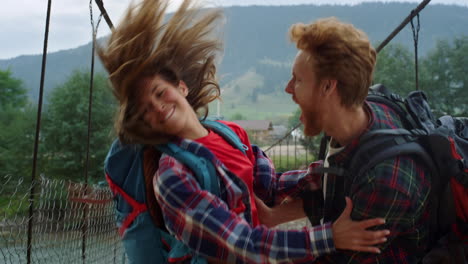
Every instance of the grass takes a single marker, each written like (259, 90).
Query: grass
(11, 206)
(266, 107)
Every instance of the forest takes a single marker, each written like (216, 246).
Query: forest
(64, 125)
(253, 76)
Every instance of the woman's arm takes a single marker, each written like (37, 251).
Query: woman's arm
(273, 188)
(287, 211)
(347, 234)
(204, 222)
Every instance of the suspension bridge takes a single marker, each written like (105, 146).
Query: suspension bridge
(58, 221)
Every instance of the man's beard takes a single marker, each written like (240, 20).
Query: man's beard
(311, 124)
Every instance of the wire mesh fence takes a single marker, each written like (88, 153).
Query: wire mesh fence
(75, 222)
(292, 151)
(71, 223)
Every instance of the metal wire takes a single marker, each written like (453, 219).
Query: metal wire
(58, 221)
(402, 24)
(415, 40)
(38, 129)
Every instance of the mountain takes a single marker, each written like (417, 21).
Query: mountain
(258, 55)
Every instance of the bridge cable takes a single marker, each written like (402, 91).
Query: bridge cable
(36, 140)
(415, 40)
(413, 13)
(409, 18)
(100, 4)
(94, 30)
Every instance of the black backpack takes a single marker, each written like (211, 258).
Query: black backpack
(442, 145)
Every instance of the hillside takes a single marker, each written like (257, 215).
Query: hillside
(257, 57)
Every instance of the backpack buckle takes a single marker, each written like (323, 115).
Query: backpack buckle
(396, 97)
(418, 132)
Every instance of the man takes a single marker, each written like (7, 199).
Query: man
(330, 79)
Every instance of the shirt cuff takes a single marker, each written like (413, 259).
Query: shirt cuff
(321, 239)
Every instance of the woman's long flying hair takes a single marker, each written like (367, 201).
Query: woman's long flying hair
(144, 45)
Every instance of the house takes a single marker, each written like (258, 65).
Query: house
(278, 132)
(259, 130)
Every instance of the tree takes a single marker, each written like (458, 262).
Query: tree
(294, 119)
(16, 142)
(65, 128)
(446, 79)
(12, 92)
(459, 60)
(17, 123)
(254, 96)
(238, 116)
(395, 69)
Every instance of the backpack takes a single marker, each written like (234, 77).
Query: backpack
(442, 145)
(139, 217)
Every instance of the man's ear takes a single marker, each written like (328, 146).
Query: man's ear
(329, 87)
(183, 88)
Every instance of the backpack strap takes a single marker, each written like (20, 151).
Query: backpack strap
(138, 208)
(226, 132)
(203, 169)
(379, 145)
(150, 165)
(332, 170)
(396, 103)
(382, 144)
(441, 138)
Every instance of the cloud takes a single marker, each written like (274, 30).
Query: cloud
(22, 21)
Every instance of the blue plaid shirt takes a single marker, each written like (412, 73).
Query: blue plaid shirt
(207, 224)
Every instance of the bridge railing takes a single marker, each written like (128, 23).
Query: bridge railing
(292, 151)
(73, 223)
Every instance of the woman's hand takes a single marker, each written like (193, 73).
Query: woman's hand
(285, 212)
(352, 235)
(264, 213)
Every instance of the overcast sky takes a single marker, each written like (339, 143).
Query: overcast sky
(22, 21)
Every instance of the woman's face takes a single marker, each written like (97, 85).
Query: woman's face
(163, 106)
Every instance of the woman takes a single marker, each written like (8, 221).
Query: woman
(163, 75)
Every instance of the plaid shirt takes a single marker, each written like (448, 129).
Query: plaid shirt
(209, 225)
(396, 189)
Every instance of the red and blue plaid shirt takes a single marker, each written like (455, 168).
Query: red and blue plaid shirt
(209, 225)
(397, 190)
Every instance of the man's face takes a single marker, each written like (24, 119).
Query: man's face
(305, 91)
